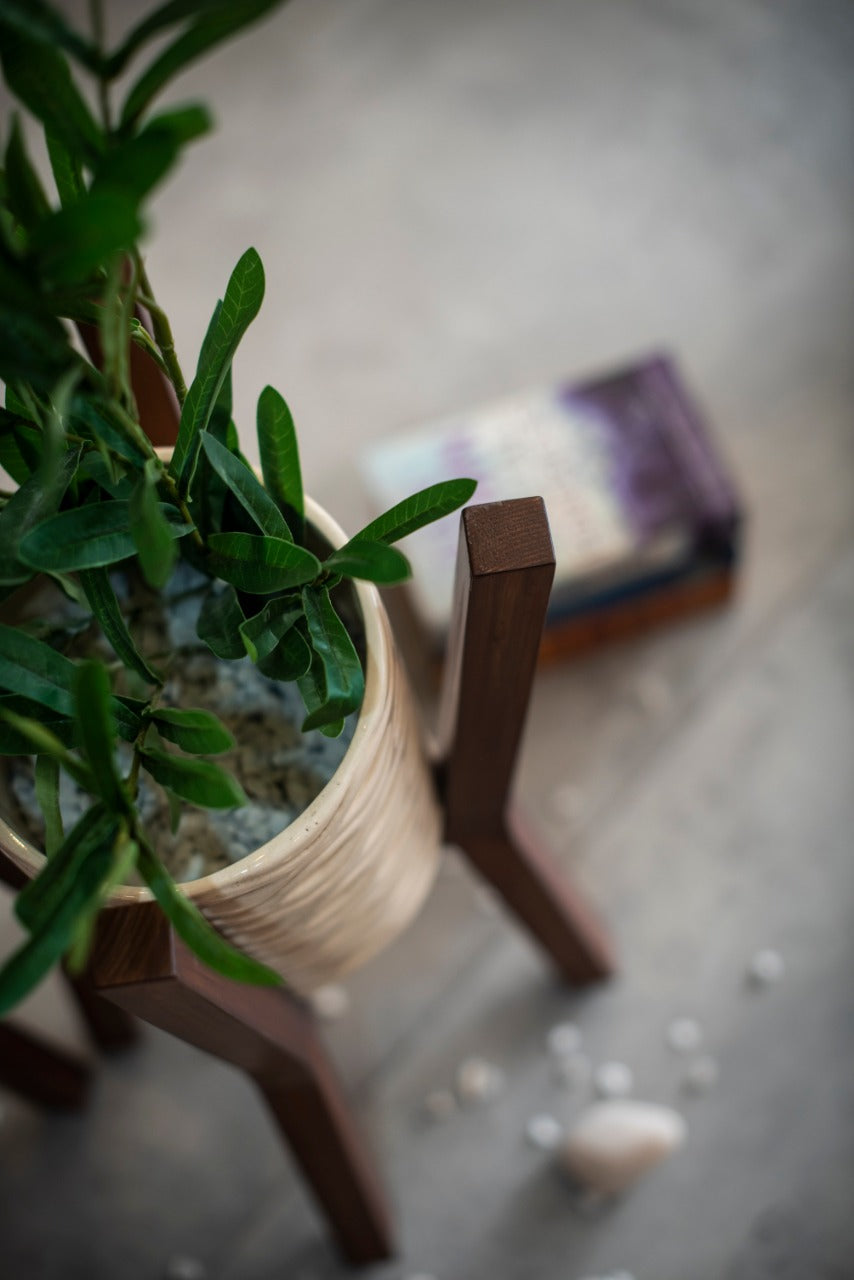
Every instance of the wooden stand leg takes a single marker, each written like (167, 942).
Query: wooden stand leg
(41, 1072)
(140, 964)
(505, 567)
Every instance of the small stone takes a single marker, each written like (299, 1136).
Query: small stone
(613, 1080)
(563, 1039)
(573, 1072)
(183, 1267)
(567, 802)
(330, 1002)
(478, 1080)
(684, 1035)
(613, 1143)
(766, 968)
(440, 1104)
(544, 1132)
(701, 1076)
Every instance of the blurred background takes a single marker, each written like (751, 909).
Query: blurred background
(454, 202)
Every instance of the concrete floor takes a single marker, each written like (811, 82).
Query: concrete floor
(454, 201)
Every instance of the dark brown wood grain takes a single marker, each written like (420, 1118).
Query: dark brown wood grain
(268, 1033)
(40, 1070)
(505, 567)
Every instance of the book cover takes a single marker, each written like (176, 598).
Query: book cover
(638, 498)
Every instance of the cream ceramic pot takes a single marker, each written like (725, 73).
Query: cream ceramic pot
(351, 871)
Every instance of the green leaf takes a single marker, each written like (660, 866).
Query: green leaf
(259, 564)
(262, 633)
(246, 488)
(150, 531)
(343, 681)
(280, 465)
(86, 537)
(243, 297)
(34, 670)
(38, 75)
(193, 929)
(136, 165)
(212, 27)
(193, 730)
(40, 899)
(219, 622)
(31, 962)
(20, 446)
(34, 501)
(47, 795)
(66, 168)
(77, 239)
(167, 15)
(33, 348)
(414, 512)
(290, 660)
(42, 23)
(104, 605)
(26, 197)
(374, 561)
(200, 781)
(14, 741)
(97, 729)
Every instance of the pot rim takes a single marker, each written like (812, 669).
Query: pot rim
(281, 846)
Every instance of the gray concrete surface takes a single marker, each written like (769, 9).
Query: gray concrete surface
(455, 201)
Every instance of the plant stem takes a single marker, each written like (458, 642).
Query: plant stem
(162, 332)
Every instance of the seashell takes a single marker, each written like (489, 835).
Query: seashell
(612, 1144)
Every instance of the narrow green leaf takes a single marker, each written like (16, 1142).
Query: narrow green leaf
(77, 239)
(38, 75)
(104, 605)
(34, 670)
(20, 446)
(243, 297)
(193, 730)
(374, 561)
(194, 930)
(213, 26)
(290, 660)
(151, 533)
(262, 633)
(66, 168)
(343, 680)
(25, 969)
(47, 794)
(42, 23)
(25, 194)
(49, 738)
(200, 781)
(279, 451)
(249, 492)
(35, 500)
(219, 622)
(414, 512)
(86, 537)
(97, 729)
(136, 165)
(41, 897)
(15, 742)
(167, 15)
(258, 564)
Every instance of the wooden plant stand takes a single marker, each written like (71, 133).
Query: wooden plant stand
(504, 572)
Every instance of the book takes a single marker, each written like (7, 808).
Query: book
(644, 515)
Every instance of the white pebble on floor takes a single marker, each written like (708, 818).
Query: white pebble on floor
(478, 1080)
(563, 1039)
(613, 1080)
(766, 968)
(684, 1035)
(330, 1002)
(544, 1132)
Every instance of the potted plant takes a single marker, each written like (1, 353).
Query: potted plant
(122, 568)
